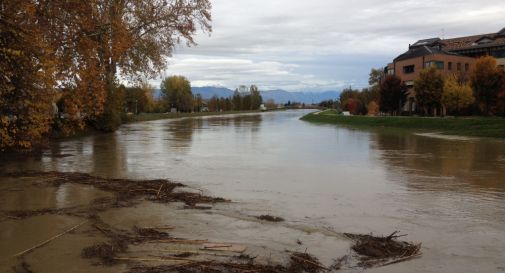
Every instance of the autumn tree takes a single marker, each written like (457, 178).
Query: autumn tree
(429, 87)
(197, 103)
(176, 92)
(26, 77)
(393, 94)
(99, 40)
(213, 104)
(457, 95)
(373, 109)
(78, 49)
(487, 82)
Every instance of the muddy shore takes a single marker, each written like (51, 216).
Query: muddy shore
(119, 225)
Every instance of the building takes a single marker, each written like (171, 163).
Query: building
(450, 56)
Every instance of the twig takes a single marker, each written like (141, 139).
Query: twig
(158, 194)
(392, 235)
(310, 262)
(50, 239)
(417, 255)
(181, 241)
(155, 259)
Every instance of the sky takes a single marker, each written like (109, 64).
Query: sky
(320, 45)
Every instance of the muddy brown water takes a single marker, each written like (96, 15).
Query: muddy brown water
(324, 180)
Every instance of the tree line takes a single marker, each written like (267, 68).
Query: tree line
(482, 92)
(177, 96)
(60, 61)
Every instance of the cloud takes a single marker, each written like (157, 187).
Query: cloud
(321, 44)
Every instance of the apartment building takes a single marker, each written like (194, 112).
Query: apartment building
(450, 56)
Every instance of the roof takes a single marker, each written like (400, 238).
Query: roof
(420, 51)
(426, 42)
(472, 42)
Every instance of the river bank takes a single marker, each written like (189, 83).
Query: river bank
(462, 126)
(161, 116)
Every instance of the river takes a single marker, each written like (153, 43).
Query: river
(446, 193)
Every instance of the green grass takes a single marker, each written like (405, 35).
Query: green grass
(464, 126)
(158, 116)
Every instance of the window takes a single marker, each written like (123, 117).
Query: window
(436, 64)
(467, 67)
(408, 69)
(391, 71)
(459, 67)
(498, 54)
(449, 66)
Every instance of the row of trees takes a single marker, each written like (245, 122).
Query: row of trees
(177, 95)
(483, 92)
(362, 102)
(240, 101)
(71, 53)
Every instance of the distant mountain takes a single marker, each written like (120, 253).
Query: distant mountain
(208, 92)
(282, 96)
(279, 96)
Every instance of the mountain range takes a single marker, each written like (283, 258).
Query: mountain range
(279, 96)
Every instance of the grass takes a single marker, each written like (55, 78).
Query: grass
(158, 116)
(463, 126)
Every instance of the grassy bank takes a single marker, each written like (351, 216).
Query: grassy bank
(464, 126)
(158, 116)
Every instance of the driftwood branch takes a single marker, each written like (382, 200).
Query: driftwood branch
(50, 239)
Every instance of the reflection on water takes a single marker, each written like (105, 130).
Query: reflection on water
(446, 193)
(440, 164)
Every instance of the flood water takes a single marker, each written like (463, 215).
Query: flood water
(448, 194)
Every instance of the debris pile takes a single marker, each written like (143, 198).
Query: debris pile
(299, 263)
(125, 190)
(380, 251)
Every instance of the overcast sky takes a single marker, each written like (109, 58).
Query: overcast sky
(321, 44)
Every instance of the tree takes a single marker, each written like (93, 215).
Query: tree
(136, 100)
(112, 116)
(501, 94)
(256, 98)
(393, 94)
(375, 77)
(26, 77)
(429, 87)
(213, 104)
(79, 48)
(270, 104)
(176, 91)
(246, 102)
(373, 109)
(197, 103)
(237, 101)
(354, 106)
(456, 95)
(487, 82)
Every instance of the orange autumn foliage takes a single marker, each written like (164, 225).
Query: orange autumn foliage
(73, 52)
